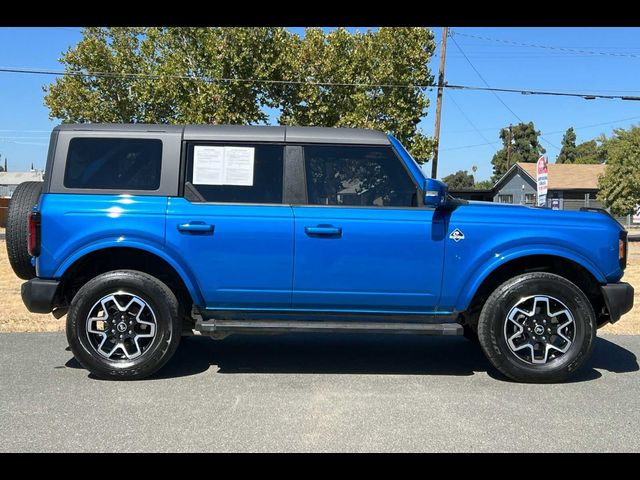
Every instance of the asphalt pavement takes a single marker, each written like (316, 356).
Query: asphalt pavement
(315, 393)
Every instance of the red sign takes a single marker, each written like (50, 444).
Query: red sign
(542, 165)
(542, 181)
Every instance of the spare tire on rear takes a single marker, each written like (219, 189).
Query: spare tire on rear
(24, 198)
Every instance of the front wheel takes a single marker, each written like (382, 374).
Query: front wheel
(537, 327)
(123, 325)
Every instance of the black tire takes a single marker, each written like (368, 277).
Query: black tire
(161, 302)
(492, 331)
(24, 198)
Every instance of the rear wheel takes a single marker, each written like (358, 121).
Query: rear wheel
(24, 198)
(537, 327)
(123, 325)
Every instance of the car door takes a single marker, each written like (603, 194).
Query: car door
(362, 243)
(231, 228)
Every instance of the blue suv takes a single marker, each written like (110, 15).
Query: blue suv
(143, 233)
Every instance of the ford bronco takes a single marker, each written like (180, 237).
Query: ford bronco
(141, 234)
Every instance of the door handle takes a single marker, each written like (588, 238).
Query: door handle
(196, 227)
(324, 230)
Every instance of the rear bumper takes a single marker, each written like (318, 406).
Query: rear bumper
(618, 297)
(38, 294)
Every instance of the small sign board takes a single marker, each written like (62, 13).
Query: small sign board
(555, 204)
(635, 218)
(542, 180)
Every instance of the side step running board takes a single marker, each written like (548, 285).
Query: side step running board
(283, 326)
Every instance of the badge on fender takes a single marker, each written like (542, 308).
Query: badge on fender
(456, 235)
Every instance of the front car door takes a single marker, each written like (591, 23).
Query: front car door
(231, 226)
(363, 241)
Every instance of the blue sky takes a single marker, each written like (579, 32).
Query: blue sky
(24, 122)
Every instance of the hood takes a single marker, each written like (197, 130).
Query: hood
(528, 214)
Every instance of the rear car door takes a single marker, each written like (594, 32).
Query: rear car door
(362, 242)
(230, 226)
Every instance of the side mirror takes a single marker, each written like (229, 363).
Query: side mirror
(435, 193)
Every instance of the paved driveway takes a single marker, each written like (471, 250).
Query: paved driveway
(315, 393)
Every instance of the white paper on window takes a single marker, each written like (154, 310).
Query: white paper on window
(208, 165)
(238, 165)
(223, 165)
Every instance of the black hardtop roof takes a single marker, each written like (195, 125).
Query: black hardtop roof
(259, 133)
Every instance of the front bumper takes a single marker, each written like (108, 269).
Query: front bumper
(38, 294)
(618, 297)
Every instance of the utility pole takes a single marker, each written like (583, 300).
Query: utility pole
(509, 148)
(436, 132)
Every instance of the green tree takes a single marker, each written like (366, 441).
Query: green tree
(160, 61)
(588, 152)
(460, 179)
(620, 184)
(568, 150)
(525, 147)
(169, 55)
(351, 62)
(483, 185)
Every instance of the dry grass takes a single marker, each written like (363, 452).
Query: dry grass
(629, 324)
(14, 317)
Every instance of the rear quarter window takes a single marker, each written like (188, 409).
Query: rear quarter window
(113, 164)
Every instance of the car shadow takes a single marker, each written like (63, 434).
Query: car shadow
(362, 354)
(359, 354)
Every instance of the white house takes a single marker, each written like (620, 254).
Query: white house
(10, 180)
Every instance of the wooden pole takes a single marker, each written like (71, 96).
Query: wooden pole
(436, 132)
(509, 149)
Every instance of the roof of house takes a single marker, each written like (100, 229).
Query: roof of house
(15, 178)
(568, 176)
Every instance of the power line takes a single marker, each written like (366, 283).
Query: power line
(494, 93)
(547, 133)
(206, 79)
(23, 137)
(586, 96)
(611, 122)
(23, 143)
(26, 131)
(461, 147)
(548, 47)
(450, 95)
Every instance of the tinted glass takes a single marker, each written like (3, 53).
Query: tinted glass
(113, 164)
(357, 176)
(265, 184)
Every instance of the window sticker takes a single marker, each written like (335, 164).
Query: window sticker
(238, 165)
(223, 165)
(208, 165)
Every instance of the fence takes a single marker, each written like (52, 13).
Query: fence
(627, 222)
(4, 205)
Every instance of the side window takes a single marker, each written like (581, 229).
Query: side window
(113, 164)
(357, 176)
(247, 173)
